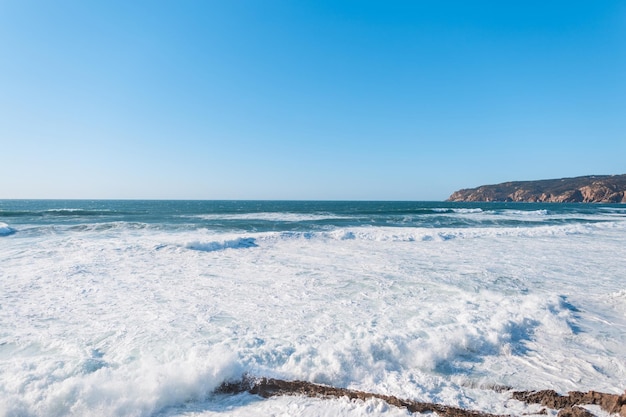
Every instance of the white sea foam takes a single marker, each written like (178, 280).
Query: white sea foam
(466, 210)
(269, 216)
(414, 234)
(457, 210)
(64, 210)
(138, 387)
(527, 212)
(138, 322)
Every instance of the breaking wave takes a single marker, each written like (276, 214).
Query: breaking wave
(140, 387)
(426, 234)
(270, 216)
(5, 230)
(391, 235)
(457, 210)
(239, 243)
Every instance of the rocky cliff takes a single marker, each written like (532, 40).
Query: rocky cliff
(587, 189)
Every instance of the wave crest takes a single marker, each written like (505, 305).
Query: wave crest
(239, 243)
(141, 387)
(5, 230)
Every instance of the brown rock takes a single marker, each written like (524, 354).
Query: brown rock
(574, 412)
(588, 189)
(270, 387)
(548, 398)
(610, 403)
(567, 404)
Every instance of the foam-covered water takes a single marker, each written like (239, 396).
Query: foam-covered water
(143, 308)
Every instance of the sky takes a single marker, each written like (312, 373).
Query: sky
(318, 100)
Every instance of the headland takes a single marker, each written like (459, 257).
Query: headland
(585, 189)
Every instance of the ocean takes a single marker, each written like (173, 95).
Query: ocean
(144, 308)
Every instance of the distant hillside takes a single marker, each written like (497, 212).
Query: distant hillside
(587, 189)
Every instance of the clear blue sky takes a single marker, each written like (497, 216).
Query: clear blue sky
(265, 99)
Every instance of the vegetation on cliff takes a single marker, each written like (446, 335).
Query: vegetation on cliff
(586, 189)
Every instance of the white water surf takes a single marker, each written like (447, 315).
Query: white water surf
(134, 321)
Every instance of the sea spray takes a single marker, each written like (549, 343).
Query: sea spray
(139, 386)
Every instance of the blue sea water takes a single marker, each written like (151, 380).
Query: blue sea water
(143, 308)
(265, 216)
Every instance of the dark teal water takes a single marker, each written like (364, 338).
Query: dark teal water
(261, 216)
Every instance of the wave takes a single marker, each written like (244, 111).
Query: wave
(411, 214)
(457, 210)
(229, 238)
(102, 227)
(141, 387)
(83, 212)
(392, 234)
(239, 243)
(613, 209)
(5, 230)
(246, 220)
(527, 212)
(270, 216)
(64, 212)
(541, 212)
(15, 213)
(60, 228)
(386, 234)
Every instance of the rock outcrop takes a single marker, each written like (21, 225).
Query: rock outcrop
(587, 189)
(568, 405)
(270, 387)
